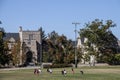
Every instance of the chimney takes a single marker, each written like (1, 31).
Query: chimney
(20, 28)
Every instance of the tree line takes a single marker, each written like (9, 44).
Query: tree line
(57, 49)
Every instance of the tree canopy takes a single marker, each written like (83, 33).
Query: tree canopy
(4, 57)
(100, 35)
(60, 50)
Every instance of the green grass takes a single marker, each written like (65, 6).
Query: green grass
(90, 73)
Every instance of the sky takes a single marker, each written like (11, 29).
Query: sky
(57, 15)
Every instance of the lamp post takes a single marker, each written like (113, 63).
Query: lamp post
(75, 23)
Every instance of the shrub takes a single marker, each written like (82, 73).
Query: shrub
(57, 66)
(115, 60)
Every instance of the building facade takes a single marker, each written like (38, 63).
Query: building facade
(30, 45)
(81, 43)
(86, 59)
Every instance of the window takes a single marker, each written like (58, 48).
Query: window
(30, 36)
(29, 42)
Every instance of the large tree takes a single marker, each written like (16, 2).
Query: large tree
(60, 49)
(100, 36)
(52, 48)
(4, 56)
(43, 46)
(15, 53)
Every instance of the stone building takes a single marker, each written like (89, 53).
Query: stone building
(31, 42)
(30, 47)
(118, 48)
(81, 43)
(11, 38)
(86, 59)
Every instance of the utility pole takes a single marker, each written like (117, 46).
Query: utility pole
(75, 23)
(41, 51)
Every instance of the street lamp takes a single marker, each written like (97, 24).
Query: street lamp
(75, 23)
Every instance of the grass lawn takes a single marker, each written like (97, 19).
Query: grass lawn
(90, 73)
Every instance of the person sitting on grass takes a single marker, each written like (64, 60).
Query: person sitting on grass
(37, 71)
(64, 72)
(40, 71)
(72, 70)
(49, 70)
(82, 72)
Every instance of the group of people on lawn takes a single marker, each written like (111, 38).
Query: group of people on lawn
(38, 71)
(63, 72)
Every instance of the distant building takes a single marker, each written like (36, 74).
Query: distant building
(118, 49)
(119, 43)
(86, 59)
(12, 38)
(81, 43)
(31, 47)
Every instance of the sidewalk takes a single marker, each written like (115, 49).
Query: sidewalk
(97, 64)
(18, 68)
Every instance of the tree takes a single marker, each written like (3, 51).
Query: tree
(24, 50)
(51, 42)
(101, 40)
(15, 53)
(43, 44)
(60, 49)
(4, 57)
(0, 22)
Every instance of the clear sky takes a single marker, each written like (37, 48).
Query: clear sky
(57, 15)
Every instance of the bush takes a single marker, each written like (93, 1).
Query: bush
(115, 60)
(57, 66)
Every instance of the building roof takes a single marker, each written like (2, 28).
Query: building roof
(11, 35)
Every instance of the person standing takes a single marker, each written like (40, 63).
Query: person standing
(72, 70)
